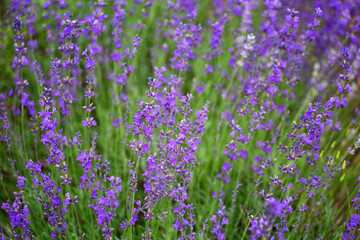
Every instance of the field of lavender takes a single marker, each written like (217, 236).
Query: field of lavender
(180, 119)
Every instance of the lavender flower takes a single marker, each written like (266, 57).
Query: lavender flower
(19, 217)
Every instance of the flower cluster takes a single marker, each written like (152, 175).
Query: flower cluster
(234, 119)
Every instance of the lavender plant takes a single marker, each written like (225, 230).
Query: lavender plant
(179, 119)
